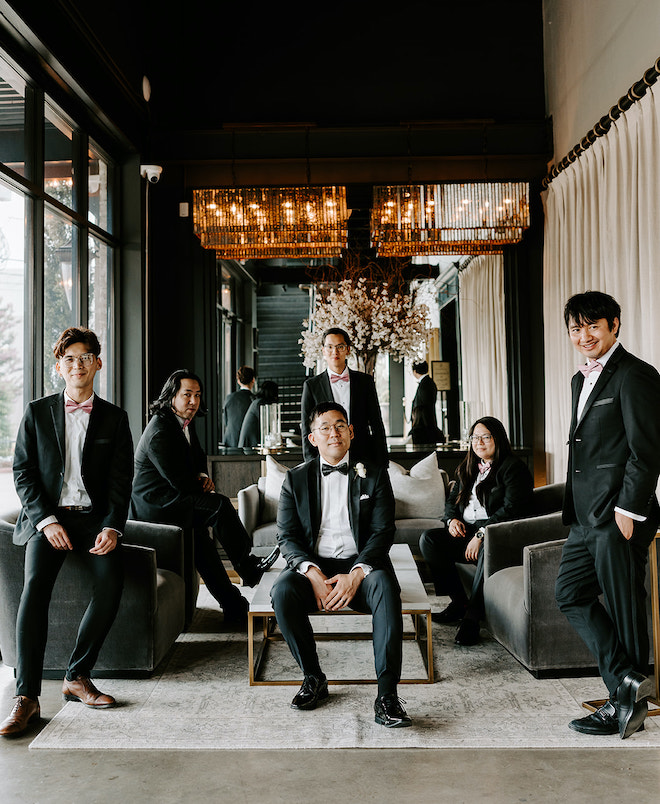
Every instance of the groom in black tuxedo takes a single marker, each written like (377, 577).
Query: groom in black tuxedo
(335, 527)
(73, 466)
(610, 504)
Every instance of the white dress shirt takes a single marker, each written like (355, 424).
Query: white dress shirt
(73, 491)
(341, 390)
(474, 510)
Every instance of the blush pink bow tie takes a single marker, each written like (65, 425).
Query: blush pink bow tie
(595, 366)
(483, 467)
(84, 406)
(337, 377)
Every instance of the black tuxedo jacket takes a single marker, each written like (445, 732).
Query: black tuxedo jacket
(236, 406)
(39, 463)
(167, 470)
(369, 442)
(614, 449)
(424, 428)
(371, 514)
(509, 498)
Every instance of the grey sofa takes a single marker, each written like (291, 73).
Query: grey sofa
(151, 614)
(521, 564)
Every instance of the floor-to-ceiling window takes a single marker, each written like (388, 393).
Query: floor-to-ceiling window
(58, 249)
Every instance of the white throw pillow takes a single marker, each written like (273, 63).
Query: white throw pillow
(275, 474)
(420, 493)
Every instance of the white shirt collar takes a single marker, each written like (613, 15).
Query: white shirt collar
(344, 460)
(84, 402)
(603, 360)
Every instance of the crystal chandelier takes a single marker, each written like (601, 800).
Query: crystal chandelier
(448, 218)
(262, 222)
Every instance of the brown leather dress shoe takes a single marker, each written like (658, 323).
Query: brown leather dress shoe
(25, 710)
(81, 689)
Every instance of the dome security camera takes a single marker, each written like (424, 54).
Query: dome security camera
(151, 173)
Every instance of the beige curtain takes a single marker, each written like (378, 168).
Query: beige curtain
(483, 344)
(602, 232)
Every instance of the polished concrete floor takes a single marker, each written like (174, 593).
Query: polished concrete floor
(609, 775)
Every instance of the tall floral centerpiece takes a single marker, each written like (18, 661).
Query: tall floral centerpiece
(377, 317)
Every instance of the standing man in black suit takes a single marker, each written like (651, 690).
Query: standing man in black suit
(355, 391)
(335, 527)
(610, 504)
(72, 470)
(424, 429)
(236, 406)
(171, 486)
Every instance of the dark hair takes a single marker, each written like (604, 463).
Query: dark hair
(77, 335)
(421, 368)
(337, 331)
(325, 407)
(267, 393)
(171, 389)
(588, 307)
(245, 375)
(468, 469)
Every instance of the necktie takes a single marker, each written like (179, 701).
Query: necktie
(593, 366)
(337, 377)
(483, 467)
(186, 423)
(84, 406)
(327, 469)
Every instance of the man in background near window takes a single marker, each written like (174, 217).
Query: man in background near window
(236, 406)
(172, 487)
(355, 391)
(72, 469)
(610, 504)
(424, 424)
(335, 526)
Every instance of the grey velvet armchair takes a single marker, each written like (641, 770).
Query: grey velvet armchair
(151, 614)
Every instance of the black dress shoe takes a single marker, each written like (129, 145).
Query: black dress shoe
(631, 695)
(390, 713)
(313, 690)
(266, 563)
(603, 721)
(468, 633)
(454, 613)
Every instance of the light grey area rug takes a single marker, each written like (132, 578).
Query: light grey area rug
(482, 698)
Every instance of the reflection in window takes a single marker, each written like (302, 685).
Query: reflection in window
(100, 271)
(12, 280)
(12, 119)
(58, 151)
(97, 185)
(59, 290)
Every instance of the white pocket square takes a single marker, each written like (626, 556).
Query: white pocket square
(364, 497)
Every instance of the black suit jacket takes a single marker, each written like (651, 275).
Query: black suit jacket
(509, 498)
(424, 428)
(167, 470)
(236, 406)
(251, 428)
(614, 450)
(371, 514)
(369, 442)
(39, 463)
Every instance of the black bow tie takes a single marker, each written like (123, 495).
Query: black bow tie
(327, 469)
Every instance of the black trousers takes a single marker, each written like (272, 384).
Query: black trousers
(442, 552)
(293, 599)
(42, 566)
(217, 512)
(599, 560)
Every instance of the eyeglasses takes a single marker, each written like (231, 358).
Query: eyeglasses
(485, 439)
(339, 347)
(324, 429)
(84, 360)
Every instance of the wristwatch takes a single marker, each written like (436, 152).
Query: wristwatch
(480, 533)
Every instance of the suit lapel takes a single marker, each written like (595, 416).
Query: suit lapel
(94, 421)
(57, 416)
(325, 387)
(609, 370)
(354, 491)
(314, 497)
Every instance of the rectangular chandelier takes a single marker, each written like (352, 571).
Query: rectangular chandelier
(264, 223)
(478, 218)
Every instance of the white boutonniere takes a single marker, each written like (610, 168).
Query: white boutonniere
(360, 470)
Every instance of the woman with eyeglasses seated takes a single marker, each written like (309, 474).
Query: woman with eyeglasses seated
(492, 485)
